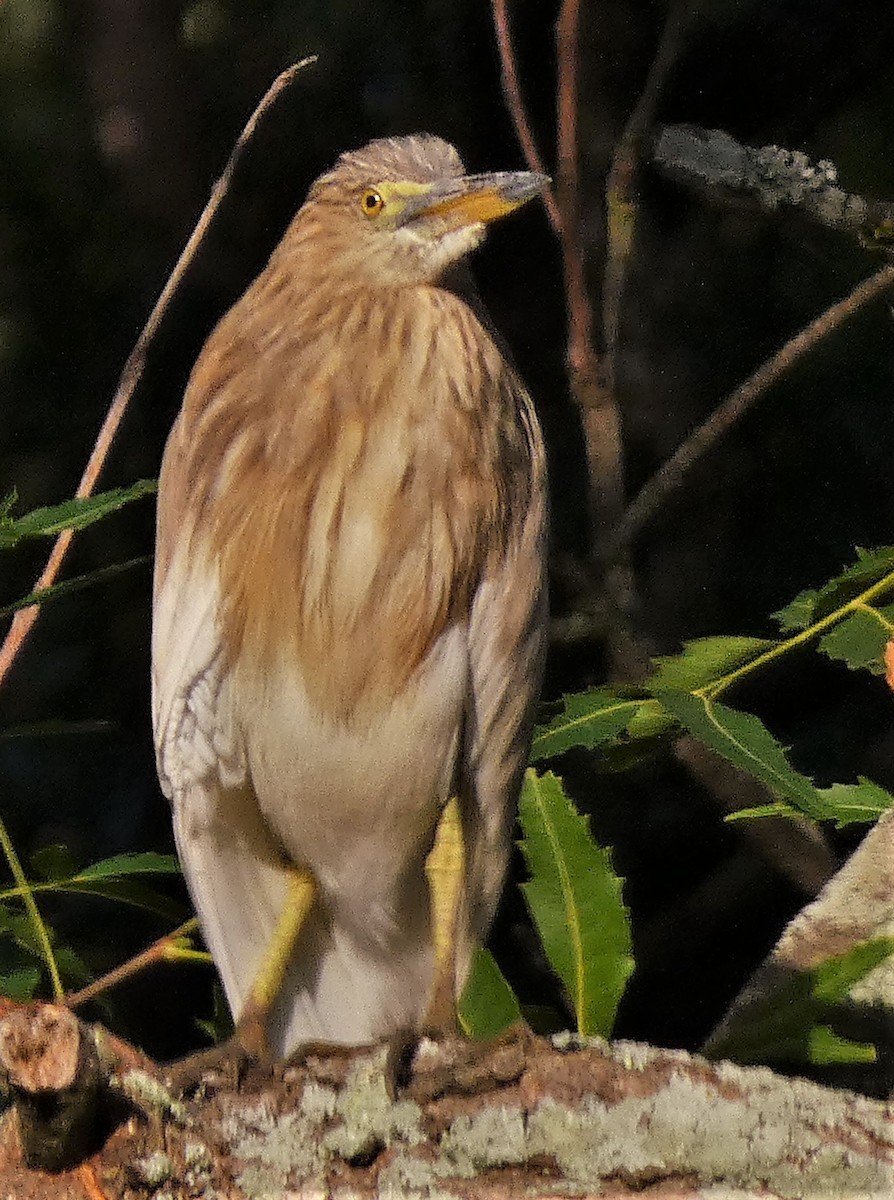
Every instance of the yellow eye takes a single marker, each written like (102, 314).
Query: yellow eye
(371, 202)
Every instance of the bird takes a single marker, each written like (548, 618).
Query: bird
(350, 605)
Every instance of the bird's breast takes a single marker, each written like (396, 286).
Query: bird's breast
(355, 503)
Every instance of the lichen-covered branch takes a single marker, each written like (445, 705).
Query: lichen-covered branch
(772, 177)
(520, 1116)
(855, 907)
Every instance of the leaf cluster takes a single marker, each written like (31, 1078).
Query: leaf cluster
(575, 898)
(850, 620)
(32, 957)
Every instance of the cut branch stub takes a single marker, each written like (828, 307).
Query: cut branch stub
(50, 1063)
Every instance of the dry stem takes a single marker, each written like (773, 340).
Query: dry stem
(158, 952)
(25, 618)
(515, 104)
(621, 198)
(668, 477)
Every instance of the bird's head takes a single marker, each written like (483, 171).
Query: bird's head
(403, 211)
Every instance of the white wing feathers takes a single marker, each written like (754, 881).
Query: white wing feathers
(192, 711)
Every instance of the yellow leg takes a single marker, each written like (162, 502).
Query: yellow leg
(445, 869)
(251, 1028)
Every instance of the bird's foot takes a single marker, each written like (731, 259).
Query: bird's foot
(223, 1067)
(453, 1062)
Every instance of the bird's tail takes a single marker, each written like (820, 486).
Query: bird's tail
(341, 987)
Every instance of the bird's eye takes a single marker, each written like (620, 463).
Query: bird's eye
(371, 202)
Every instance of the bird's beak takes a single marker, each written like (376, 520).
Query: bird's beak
(473, 199)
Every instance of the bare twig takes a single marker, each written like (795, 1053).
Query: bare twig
(163, 950)
(516, 106)
(581, 356)
(133, 369)
(621, 211)
(598, 411)
(620, 193)
(667, 478)
(563, 210)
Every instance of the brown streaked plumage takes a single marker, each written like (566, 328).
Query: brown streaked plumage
(349, 596)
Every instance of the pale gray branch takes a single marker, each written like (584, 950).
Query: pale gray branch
(772, 177)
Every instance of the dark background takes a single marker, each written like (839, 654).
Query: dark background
(115, 118)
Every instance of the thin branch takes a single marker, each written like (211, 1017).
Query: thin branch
(621, 212)
(41, 934)
(581, 356)
(133, 369)
(598, 413)
(596, 403)
(620, 193)
(163, 950)
(516, 105)
(667, 479)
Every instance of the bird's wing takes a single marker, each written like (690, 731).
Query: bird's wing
(507, 641)
(192, 717)
(232, 864)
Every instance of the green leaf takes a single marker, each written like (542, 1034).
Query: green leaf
(20, 985)
(648, 724)
(575, 900)
(71, 514)
(111, 879)
(747, 743)
(859, 640)
(52, 862)
(852, 803)
(799, 613)
(827, 1048)
(834, 978)
(586, 719)
(74, 971)
(814, 604)
(843, 803)
(779, 809)
(795, 1023)
(703, 660)
(20, 927)
(77, 584)
(131, 864)
(488, 1004)
(123, 891)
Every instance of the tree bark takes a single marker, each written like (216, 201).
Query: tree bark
(519, 1116)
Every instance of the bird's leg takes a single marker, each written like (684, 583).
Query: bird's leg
(251, 1027)
(445, 869)
(249, 1041)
